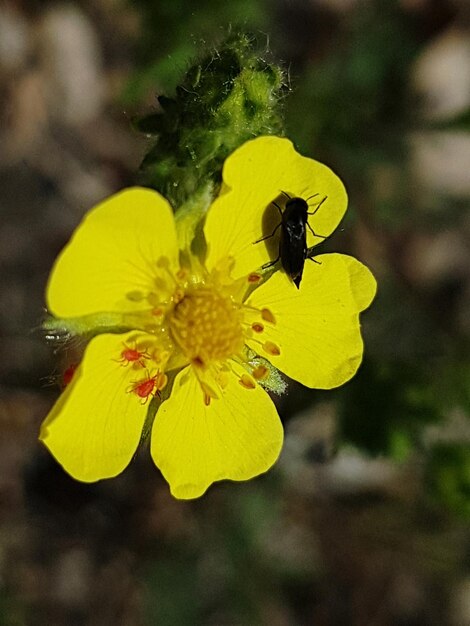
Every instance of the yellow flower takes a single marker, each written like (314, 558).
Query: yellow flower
(198, 325)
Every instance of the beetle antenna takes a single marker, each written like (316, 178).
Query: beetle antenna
(310, 197)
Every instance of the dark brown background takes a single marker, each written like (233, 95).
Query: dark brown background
(362, 521)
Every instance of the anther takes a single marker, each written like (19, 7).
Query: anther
(163, 262)
(135, 295)
(161, 381)
(271, 348)
(178, 295)
(268, 316)
(160, 283)
(257, 327)
(222, 379)
(260, 372)
(182, 274)
(160, 356)
(254, 277)
(207, 389)
(247, 382)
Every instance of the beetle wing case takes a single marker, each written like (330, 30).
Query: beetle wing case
(293, 251)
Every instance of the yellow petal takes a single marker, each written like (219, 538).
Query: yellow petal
(236, 437)
(255, 175)
(109, 264)
(95, 427)
(316, 330)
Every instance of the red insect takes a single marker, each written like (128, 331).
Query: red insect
(69, 374)
(149, 386)
(133, 355)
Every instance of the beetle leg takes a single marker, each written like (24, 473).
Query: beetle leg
(310, 258)
(314, 233)
(278, 208)
(268, 236)
(271, 263)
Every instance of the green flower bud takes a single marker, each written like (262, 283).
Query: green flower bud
(226, 98)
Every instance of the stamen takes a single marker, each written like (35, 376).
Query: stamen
(268, 316)
(135, 296)
(260, 372)
(163, 262)
(207, 389)
(161, 381)
(247, 382)
(178, 295)
(182, 274)
(160, 356)
(161, 284)
(271, 348)
(222, 378)
(254, 277)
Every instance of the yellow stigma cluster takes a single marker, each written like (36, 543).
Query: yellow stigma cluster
(206, 325)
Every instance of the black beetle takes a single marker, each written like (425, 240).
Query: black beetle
(293, 240)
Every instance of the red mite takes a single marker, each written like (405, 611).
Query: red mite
(132, 355)
(68, 374)
(144, 388)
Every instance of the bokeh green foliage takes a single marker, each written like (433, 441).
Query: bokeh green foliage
(235, 568)
(174, 32)
(448, 476)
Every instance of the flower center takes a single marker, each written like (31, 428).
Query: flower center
(206, 325)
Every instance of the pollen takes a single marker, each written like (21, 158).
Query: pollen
(206, 325)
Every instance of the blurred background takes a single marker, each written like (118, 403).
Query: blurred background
(364, 520)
